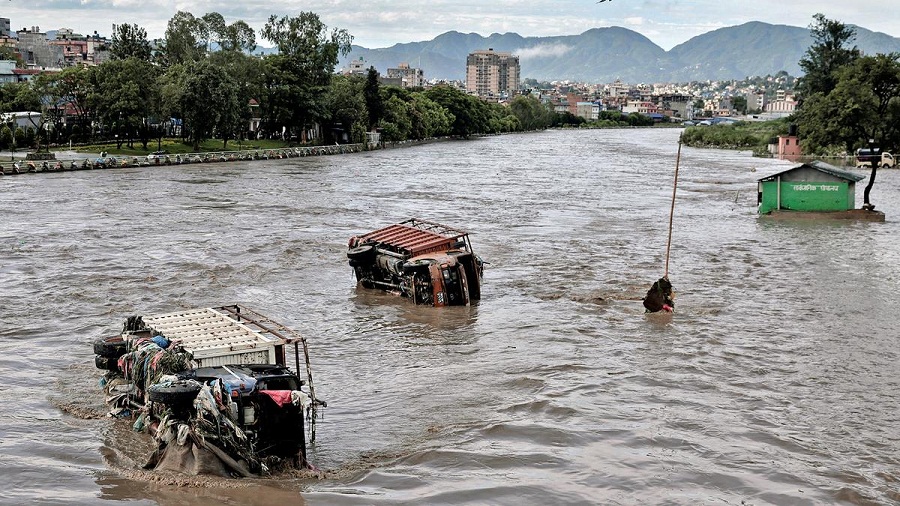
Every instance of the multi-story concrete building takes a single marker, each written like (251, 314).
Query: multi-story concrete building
(676, 105)
(617, 90)
(640, 107)
(784, 104)
(490, 74)
(588, 110)
(11, 42)
(79, 49)
(356, 67)
(5, 29)
(36, 50)
(7, 72)
(756, 101)
(409, 77)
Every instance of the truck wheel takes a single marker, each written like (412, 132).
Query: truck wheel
(106, 363)
(175, 393)
(361, 252)
(113, 347)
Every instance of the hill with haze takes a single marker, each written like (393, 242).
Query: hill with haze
(602, 55)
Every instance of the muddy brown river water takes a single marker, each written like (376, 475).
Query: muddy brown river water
(775, 382)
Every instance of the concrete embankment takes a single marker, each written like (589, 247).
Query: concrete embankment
(70, 160)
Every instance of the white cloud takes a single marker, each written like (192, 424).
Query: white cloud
(542, 51)
(382, 23)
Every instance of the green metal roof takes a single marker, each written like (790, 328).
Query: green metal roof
(823, 167)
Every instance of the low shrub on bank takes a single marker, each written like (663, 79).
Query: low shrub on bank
(739, 135)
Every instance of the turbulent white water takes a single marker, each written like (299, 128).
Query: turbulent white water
(775, 382)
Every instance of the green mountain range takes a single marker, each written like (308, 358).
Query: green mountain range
(602, 55)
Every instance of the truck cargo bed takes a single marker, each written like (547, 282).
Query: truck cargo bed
(224, 335)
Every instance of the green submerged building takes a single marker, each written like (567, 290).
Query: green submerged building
(814, 189)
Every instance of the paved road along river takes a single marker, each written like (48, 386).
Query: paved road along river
(775, 382)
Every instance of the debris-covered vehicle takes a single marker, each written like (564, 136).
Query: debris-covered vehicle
(212, 386)
(430, 263)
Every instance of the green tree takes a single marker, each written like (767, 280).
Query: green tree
(233, 112)
(172, 86)
(211, 28)
(237, 36)
(301, 71)
(182, 42)
(127, 95)
(699, 105)
(567, 118)
(6, 137)
(9, 53)
(208, 95)
(372, 93)
(24, 97)
(305, 37)
(246, 76)
(531, 113)
(129, 41)
(51, 115)
(427, 117)
(21, 138)
(638, 119)
(863, 108)
(827, 54)
(71, 89)
(347, 107)
(739, 103)
(395, 123)
(470, 114)
(17, 97)
(30, 136)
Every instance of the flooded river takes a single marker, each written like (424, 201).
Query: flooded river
(775, 382)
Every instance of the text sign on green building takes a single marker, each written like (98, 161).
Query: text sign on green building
(805, 196)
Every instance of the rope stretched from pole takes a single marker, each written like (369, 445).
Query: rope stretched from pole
(672, 211)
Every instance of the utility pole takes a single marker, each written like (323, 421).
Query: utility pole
(876, 159)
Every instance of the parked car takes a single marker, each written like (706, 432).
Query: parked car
(430, 263)
(211, 385)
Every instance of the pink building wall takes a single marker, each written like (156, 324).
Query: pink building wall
(788, 147)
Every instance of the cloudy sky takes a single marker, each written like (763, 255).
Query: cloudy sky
(382, 23)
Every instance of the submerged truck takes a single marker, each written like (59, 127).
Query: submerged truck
(213, 388)
(430, 263)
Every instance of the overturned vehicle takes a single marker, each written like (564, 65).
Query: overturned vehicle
(213, 388)
(430, 263)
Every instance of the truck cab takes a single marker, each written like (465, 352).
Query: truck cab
(865, 157)
(430, 263)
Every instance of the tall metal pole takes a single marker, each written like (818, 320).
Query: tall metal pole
(672, 211)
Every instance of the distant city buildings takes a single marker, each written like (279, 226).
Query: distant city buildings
(492, 75)
(408, 77)
(36, 50)
(65, 49)
(10, 74)
(640, 107)
(356, 67)
(784, 104)
(403, 75)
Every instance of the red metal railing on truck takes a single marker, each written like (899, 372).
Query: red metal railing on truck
(415, 237)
